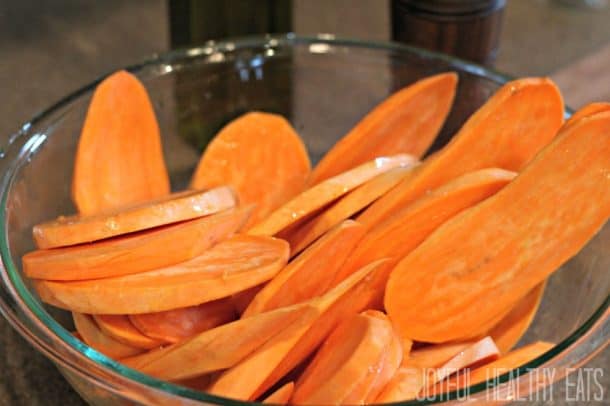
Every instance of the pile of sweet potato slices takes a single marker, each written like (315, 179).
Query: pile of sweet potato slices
(375, 277)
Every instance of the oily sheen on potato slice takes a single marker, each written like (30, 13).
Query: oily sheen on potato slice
(177, 325)
(119, 159)
(170, 209)
(311, 273)
(215, 274)
(261, 156)
(326, 192)
(480, 263)
(91, 334)
(406, 229)
(344, 208)
(406, 122)
(136, 252)
(506, 132)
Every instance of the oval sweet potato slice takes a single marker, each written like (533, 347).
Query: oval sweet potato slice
(343, 362)
(121, 329)
(136, 252)
(98, 340)
(170, 209)
(261, 156)
(215, 274)
(311, 273)
(405, 230)
(345, 207)
(528, 229)
(326, 192)
(177, 325)
(119, 159)
(506, 132)
(406, 122)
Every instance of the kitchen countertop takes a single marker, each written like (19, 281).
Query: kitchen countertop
(52, 48)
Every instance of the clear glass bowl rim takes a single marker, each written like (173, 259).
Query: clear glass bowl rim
(87, 363)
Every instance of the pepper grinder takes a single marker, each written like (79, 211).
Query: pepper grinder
(468, 29)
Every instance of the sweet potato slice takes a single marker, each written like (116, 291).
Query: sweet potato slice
(134, 253)
(344, 208)
(435, 355)
(311, 273)
(98, 340)
(589, 110)
(492, 370)
(217, 349)
(376, 378)
(215, 274)
(506, 132)
(326, 192)
(342, 368)
(174, 208)
(482, 351)
(405, 385)
(507, 333)
(121, 329)
(119, 159)
(406, 122)
(280, 396)
(528, 229)
(176, 325)
(261, 156)
(405, 230)
(261, 370)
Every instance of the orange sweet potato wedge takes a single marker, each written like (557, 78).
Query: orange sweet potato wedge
(261, 156)
(345, 207)
(504, 364)
(215, 274)
(405, 230)
(435, 355)
(326, 192)
(311, 273)
(174, 208)
(341, 370)
(98, 340)
(119, 159)
(136, 252)
(121, 329)
(216, 349)
(506, 132)
(177, 325)
(264, 368)
(507, 333)
(368, 388)
(482, 351)
(280, 396)
(406, 122)
(528, 229)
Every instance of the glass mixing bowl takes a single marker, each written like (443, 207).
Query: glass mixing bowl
(323, 86)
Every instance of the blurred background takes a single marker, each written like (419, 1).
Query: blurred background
(52, 47)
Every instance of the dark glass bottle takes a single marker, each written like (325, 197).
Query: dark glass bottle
(469, 29)
(192, 23)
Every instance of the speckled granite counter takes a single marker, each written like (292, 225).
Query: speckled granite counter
(49, 50)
